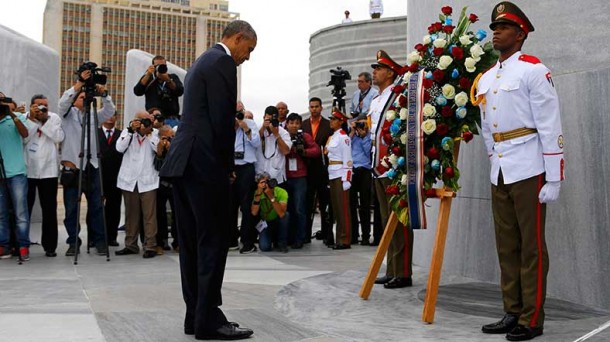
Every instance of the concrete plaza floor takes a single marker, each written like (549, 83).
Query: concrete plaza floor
(304, 295)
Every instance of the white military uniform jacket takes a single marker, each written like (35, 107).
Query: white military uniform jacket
(519, 93)
(339, 149)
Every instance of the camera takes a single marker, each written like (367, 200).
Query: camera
(271, 183)
(238, 155)
(360, 125)
(159, 117)
(275, 119)
(239, 115)
(338, 77)
(146, 122)
(42, 108)
(299, 142)
(6, 100)
(95, 79)
(161, 68)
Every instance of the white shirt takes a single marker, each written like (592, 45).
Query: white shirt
(137, 166)
(339, 149)
(270, 159)
(520, 94)
(375, 6)
(247, 145)
(41, 156)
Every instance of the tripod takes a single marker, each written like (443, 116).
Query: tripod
(89, 102)
(338, 100)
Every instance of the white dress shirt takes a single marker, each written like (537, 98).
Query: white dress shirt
(270, 159)
(41, 156)
(137, 166)
(247, 145)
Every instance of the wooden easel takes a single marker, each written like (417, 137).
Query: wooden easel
(446, 197)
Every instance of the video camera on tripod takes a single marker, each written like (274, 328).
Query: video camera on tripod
(95, 79)
(338, 77)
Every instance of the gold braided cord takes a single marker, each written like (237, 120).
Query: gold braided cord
(476, 100)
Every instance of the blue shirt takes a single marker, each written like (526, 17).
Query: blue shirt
(11, 146)
(248, 146)
(361, 151)
(366, 101)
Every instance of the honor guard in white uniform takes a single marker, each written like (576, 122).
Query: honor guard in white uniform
(339, 152)
(522, 131)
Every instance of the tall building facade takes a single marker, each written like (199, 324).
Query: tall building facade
(103, 31)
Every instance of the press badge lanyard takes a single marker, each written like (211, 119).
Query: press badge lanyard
(265, 150)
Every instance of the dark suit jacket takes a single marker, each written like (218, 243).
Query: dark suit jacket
(111, 158)
(206, 136)
(154, 96)
(316, 167)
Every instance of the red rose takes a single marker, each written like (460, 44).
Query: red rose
(398, 88)
(467, 136)
(413, 67)
(449, 172)
(437, 26)
(447, 112)
(465, 83)
(457, 52)
(387, 138)
(433, 153)
(438, 51)
(402, 101)
(426, 96)
(430, 193)
(442, 129)
(438, 75)
(420, 47)
(402, 203)
(447, 10)
(396, 150)
(431, 29)
(473, 18)
(427, 83)
(392, 190)
(448, 29)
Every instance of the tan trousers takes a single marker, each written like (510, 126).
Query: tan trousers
(520, 240)
(140, 208)
(339, 200)
(400, 252)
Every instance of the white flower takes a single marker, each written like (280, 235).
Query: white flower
(427, 40)
(476, 51)
(404, 113)
(403, 138)
(429, 110)
(461, 99)
(448, 91)
(404, 180)
(390, 115)
(470, 64)
(465, 40)
(444, 62)
(413, 57)
(439, 43)
(393, 160)
(428, 126)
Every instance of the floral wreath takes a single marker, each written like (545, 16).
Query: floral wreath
(451, 58)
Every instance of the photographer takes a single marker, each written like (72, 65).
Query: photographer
(247, 141)
(13, 181)
(269, 204)
(303, 146)
(360, 192)
(139, 181)
(361, 100)
(164, 193)
(72, 108)
(161, 90)
(42, 161)
(276, 145)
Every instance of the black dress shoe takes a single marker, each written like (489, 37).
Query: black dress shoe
(297, 245)
(226, 332)
(50, 254)
(125, 251)
(503, 326)
(398, 282)
(113, 243)
(384, 279)
(523, 333)
(149, 254)
(338, 247)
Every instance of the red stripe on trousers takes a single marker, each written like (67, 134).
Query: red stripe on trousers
(539, 240)
(348, 224)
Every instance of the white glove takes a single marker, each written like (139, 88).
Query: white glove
(549, 192)
(346, 185)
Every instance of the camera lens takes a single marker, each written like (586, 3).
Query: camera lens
(146, 122)
(161, 68)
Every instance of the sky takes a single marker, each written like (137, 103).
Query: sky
(278, 69)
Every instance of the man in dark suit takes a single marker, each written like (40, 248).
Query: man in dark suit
(317, 173)
(111, 163)
(200, 163)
